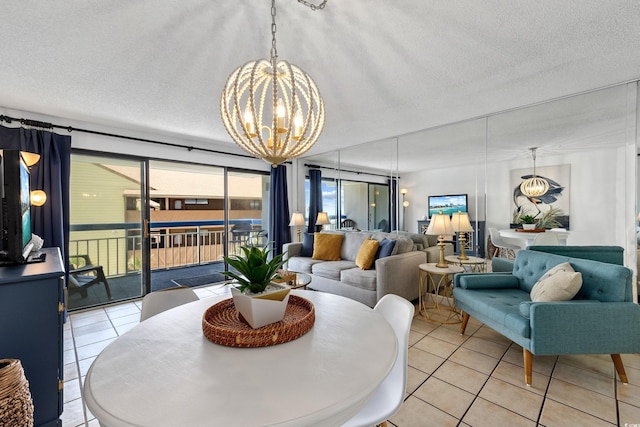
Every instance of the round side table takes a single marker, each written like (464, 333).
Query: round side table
(472, 264)
(436, 300)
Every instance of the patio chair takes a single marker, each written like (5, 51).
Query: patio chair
(240, 233)
(348, 224)
(83, 274)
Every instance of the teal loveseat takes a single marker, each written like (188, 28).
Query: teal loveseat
(601, 319)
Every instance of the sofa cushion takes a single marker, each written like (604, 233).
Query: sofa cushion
(332, 269)
(420, 241)
(363, 279)
(385, 248)
(367, 254)
(301, 264)
(351, 244)
(560, 283)
(403, 245)
(307, 245)
(327, 246)
(500, 305)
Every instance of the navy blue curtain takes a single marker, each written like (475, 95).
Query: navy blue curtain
(393, 214)
(315, 198)
(279, 209)
(51, 174)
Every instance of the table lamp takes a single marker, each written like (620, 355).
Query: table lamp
(322, 219)
(297, 220)
(440, 225)
(461, 225)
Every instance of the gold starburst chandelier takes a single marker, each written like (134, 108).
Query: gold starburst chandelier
(534, 186)
(280, 92)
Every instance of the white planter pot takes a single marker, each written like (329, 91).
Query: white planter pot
(528, 226)
(259, 309)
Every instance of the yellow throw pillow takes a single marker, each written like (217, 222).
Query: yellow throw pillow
(326, 246)
(367, 254)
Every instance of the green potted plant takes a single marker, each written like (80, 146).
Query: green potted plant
(255, 296)
(529, 222)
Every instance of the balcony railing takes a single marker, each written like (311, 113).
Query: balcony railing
(118, 246)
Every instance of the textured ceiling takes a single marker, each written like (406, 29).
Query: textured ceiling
(384, 68)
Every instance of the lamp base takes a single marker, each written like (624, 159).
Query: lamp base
(441, 263)
(462, 241)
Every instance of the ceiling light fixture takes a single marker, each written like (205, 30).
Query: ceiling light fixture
(534, 186)
(282, 93)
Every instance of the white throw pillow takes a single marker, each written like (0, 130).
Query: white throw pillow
(561, 283)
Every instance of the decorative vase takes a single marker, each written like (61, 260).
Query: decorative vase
(528, 226)
(16, 405)
(263, 308)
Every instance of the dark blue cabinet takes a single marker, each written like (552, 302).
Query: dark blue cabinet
(31, 329)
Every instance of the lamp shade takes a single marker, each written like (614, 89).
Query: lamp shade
(322, 219)
(30, 158)
(440, 225)
(297, 219)
(460, 222)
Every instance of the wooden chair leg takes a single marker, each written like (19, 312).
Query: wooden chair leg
(528, 366)
(465, 320)
(617, 362)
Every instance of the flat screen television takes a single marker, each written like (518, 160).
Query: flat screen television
(447, 204)
(15, 215)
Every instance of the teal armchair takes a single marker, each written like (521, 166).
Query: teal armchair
(601, 319)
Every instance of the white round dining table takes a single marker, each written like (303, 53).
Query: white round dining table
(165, 372)
(525, 239)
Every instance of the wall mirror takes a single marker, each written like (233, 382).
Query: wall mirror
(588, 140)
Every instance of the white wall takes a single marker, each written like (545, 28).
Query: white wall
(459, 180)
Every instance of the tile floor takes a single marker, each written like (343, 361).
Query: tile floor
(454, 380)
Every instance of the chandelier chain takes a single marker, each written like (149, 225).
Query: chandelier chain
(274, 49)
(313, 6)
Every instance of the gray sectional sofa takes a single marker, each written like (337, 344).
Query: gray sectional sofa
(394, 274)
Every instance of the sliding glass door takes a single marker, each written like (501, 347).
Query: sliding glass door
(105, 249)
(138, 226)
(187, 224)
(247, 213)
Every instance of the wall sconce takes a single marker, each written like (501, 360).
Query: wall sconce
(405, 205)
(297, 220)
(38, 197)
(322, 219)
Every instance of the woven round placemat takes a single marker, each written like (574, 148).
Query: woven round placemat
(16, 406)
(222, 324)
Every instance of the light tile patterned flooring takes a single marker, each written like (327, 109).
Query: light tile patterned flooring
(471, 380)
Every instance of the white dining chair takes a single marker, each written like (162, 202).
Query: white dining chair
(388, 398)
(159, 301)
(548, 238)
(502, 246)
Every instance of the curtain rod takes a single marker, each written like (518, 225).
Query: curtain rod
(347, 170)
(46, 125)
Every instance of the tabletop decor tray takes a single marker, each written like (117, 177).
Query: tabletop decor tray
(222, 324)
(535, 230)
